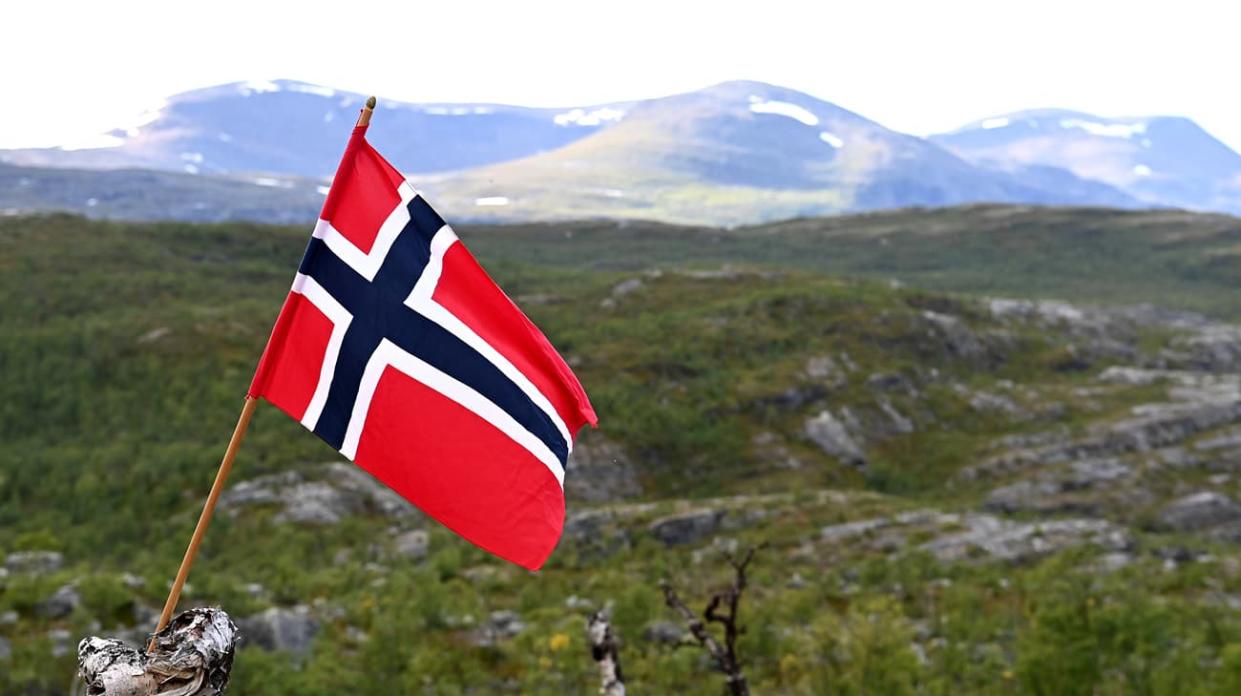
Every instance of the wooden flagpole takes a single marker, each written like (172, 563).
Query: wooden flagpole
(364, 118)
(226, 465)
(205, 517)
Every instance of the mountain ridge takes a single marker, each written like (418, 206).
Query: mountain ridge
(732, 153)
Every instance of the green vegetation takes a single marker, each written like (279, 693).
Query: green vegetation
(125, 350)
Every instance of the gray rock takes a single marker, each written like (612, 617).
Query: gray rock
(61, 603)
(836, 533)
(954, 334)
(317, 502)
(413, 544)
(987, 402)
(830, 434)
(1199, 511)
(8, 618)
(890, 382)
(292, 630)
(900, 423)
(599, 471)
(341, 491)
(596, 532)
(500, 625)
(821, 368)
(664, 632)
(626, 287)
(60, 638)
(377, 497)
(6, 649)
(34, 562)
(687, 528)
(1215, 348)
(993, 537)
(1045, 493)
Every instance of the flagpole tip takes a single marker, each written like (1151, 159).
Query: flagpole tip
(364, 118)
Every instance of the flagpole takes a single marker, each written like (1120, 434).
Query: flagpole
(226, 465)
(364, 118)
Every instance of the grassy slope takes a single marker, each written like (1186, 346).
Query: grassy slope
(125, 350)
(1171, 258)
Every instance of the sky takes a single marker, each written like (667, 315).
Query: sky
(76, 69)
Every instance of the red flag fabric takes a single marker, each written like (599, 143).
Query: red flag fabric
(397, 348)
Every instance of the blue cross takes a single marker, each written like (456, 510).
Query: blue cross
(379, 312)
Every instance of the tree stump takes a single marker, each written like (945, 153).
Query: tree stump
(192, 656)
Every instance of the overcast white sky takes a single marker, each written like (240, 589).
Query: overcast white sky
(918, 66)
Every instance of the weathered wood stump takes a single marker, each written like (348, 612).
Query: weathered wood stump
(192, 656)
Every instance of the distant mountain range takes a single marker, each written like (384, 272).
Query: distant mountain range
(1158, 160)
(733, 153)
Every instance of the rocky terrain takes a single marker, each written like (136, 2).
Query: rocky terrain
(948, 493)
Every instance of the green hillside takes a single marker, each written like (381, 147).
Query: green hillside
(956, 495)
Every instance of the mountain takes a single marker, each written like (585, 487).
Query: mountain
(735, 153)
(1160, 160)
(295, 128)
(146, 194)
(745, 151)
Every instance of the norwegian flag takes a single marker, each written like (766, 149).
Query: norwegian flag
(397, 348)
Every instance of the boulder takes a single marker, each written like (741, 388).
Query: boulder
(34, 562)
(823, 369)
(505, 623)
(500, 625)
(340, 490)
(830, 434)
(688, 527)
(599, 471)
(413, 544)
(61, 603)
(287, 629)
(1199, 511)
(991, 537)
(956, 337)
(664, 632)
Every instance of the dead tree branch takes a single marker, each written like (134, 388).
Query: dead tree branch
(604, 649)
(192, 656)
(722, 609)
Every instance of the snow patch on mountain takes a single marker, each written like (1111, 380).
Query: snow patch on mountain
(832, 139)
(312, 89)
(258, 87)
(1107, 130)
(456, 110)
(762, 106)
(582, 117)
(272, 183)
(993, 123)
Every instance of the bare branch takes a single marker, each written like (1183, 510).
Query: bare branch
(723, 609)
(604, 649)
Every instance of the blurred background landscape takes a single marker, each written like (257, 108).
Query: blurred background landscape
(975, 389)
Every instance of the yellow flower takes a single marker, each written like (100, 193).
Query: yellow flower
(789, 665)
(558, 642)
(1008, 674)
